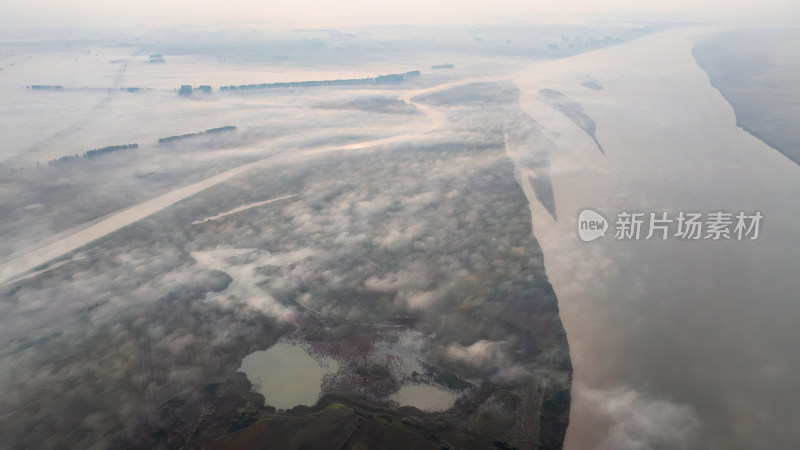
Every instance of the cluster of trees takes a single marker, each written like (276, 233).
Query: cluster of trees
(170, 139)
(186, 89)
(109, 149)
(45, 87)
(382, 79)
(114, 148)
(64, 159)
(93, 153)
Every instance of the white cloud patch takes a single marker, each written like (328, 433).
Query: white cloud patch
(240, 264)
(479, 353)
(639, 421)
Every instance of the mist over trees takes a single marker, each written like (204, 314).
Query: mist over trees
(379, 80)
(384, 244)
(95, 153)
(169, 139)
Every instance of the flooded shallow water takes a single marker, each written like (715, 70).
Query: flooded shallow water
(287, 375)
(425, 397)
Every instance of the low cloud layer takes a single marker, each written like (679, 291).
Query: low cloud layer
(634, 421)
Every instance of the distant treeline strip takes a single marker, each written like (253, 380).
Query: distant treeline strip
(94, 153)
(113, 148)
(170, 139)
(382, 79)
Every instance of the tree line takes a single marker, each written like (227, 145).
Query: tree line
(113, 148)
(382, 79)
(169, 139)
(94, 153)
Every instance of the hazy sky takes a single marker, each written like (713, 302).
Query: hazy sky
(310, 13)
